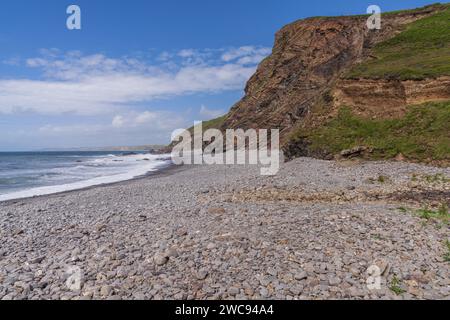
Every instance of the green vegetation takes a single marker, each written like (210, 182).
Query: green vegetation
(447, 254)
(436, 178)
(421, 51)
(214, 123)
(402, 209)
(423, 133)
(211, 124)
(395, 286)
(439, 214)
(405, 11)
(379, 179)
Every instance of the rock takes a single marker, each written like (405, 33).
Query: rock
(160, 259)
(353, 152)
(75, 252)
(264, 292)
(216, 210)
(37, 260)
(301, 275)
(180, 296)
(232, 291)
(334, 281)
(383, 265)
(139, 296)
(105, 291)
(400, 157)
(272, 272)
(296, 290)
(19, 232)
(171, 253)
(355, 292)
(249, 292)
(202, 274)
(181, 232)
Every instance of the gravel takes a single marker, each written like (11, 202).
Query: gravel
(314, 231)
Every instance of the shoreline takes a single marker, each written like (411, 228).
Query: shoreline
(171, 168)
(162, 170)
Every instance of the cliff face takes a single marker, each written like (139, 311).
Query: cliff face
(305, 70)
(307, 58)
(388, 98)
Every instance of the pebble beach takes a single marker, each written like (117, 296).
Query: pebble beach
(313, 231)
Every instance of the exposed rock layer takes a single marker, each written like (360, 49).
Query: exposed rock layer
(388, 98)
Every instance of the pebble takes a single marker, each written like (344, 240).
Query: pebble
(311, 232)
(202, 274)
(160, 259)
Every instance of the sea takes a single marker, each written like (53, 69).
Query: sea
(28, 174)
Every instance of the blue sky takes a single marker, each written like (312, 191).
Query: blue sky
(137, 69)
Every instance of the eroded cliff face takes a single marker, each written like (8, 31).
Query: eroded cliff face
(388, 98)
(305, 69)
(307, 58)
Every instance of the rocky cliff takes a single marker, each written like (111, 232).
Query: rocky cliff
(302, 83)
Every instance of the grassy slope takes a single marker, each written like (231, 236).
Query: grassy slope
(210, 124)
(214, 123)
(424, 133)
(421, 51)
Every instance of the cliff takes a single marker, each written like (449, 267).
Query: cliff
(320, 65)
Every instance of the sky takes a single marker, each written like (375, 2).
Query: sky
(137, 69)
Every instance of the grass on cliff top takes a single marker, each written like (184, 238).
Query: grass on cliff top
(436, 5)
(214, 123)
(423, 133)
(211, 124)
(421, 51)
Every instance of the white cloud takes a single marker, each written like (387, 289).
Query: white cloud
(118, 121)
(110, 94)
(210, 113)
(164, 56)
(246, 54)
(155, 119)
(186, 53)
(96, 84)
(145, 117)
(128, 128)
(57, 130)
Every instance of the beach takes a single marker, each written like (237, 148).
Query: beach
(316, 230)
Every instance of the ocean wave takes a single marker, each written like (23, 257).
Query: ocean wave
(87, 175)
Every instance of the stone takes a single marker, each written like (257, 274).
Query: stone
(334, 281)
(264, 292)
(37, 260)
(216, 210)
(160, 259)
(171, 253)
(232, 291)
(353, 152)
(105, 291)
(301, 275)
(202, 274)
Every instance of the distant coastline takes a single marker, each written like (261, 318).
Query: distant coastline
(149, 147)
